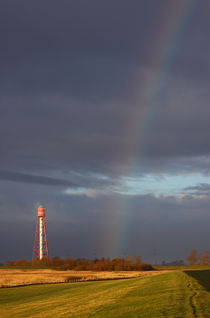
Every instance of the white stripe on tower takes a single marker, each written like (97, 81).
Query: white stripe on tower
(40, 237)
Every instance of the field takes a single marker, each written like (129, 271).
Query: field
(174, 294)
(22, 277)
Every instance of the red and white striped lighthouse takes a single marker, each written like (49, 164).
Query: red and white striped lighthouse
(40, 243)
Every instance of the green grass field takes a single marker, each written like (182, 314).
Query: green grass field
(173, 294)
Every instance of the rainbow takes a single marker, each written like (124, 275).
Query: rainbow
(170, 29)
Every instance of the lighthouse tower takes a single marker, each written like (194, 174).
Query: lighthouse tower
(40, 243)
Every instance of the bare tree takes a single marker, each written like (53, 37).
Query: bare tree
(204, 258)
(192, 258)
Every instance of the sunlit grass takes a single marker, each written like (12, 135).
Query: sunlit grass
(20, 277)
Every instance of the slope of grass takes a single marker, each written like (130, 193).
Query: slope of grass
(203, 278)
(172, 294)
(182, 268)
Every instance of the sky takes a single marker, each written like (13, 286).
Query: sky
(105, 120)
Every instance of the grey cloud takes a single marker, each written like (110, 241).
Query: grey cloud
(72, 135)
(26, 178)
(200, 189)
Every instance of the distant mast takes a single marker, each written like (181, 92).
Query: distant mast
(40, 243)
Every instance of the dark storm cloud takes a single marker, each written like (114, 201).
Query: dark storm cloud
(46, 46)
(72, 77)
(89, 49)
(94, 27)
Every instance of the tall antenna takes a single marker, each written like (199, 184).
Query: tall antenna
(40, 243)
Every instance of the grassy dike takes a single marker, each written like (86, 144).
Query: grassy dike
(172, 294)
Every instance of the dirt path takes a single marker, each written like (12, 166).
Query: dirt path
(193, 293)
